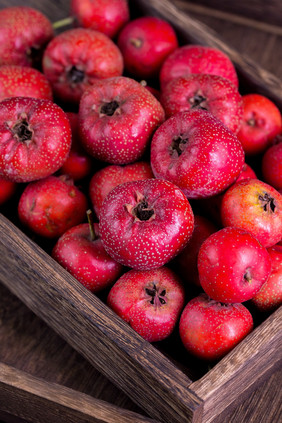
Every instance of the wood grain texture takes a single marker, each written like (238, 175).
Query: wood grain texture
(29, 397)
(91, 328)
(266, 11)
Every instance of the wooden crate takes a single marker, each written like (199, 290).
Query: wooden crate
(166, 387)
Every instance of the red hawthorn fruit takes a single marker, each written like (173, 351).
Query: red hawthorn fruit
(261, 123)
(145, 43)
(150, 301)
(106, 16)
(192, 58)
(52, 205)
(76, 58)
(209, 329)
(104, 180)
(78, 164)
(196, 152)
(255, 207)
(24, 34)
(23, 81)
(144, 224)
(206, 92)
(35, 138)
(269, 296)
(80, 251)
(118, 117)
(232, 265)
(271, 166)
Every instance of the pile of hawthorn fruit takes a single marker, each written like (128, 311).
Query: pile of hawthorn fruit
(153, 177)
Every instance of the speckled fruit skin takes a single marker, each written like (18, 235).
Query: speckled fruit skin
(23, 81)
(78, 164)
(85, 258)
(106, 16)
(269, 296)
(144, 224)
(261, 122)
(196, 152)
(232, 265)
(145, 43)
(185, 263)
(209, 329)
(51, 206)
(35, 138)
(202, 91)
(75, 58)
(192, 58)
(150, 301)
(118, 117)
(24, 33)
(107, 178)
(271, 166)
(255, 206)
(7, 190)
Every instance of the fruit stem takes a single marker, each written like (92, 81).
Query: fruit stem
(63, 22)
(91, 225)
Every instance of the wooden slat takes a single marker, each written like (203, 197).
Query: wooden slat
(36, 400)
(91, 328)
(265, 11)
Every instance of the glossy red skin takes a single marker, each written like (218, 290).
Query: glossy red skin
(186, 261)
(232, 265)
(23, 81)
(89, 51)
(7, 190)
(86, 259)
(122, 137)
(210, 161)
(106, 16)
(145, 43)
(220, 97)
(192, 58)
(107, 178)
(22, 29)
(130, 300)
(145, 244)
(209, 329)
(243, 206)
(52, 205)
(261, 123)
(271, 166)
(269, 296)
(47, 147)
(78, 164)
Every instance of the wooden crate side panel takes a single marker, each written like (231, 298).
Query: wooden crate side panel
(36, 400)
(95, 331)
(267, 11)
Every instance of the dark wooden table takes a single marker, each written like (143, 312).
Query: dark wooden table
(28, 344)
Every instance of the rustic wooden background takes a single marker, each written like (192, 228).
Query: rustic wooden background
(26, 343)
